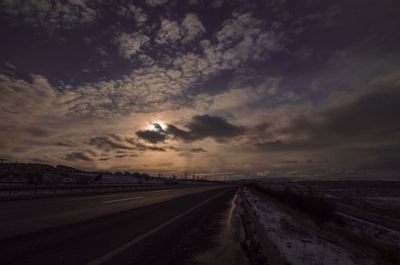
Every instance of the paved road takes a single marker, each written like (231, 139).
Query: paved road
(129, 228)
(19, 217)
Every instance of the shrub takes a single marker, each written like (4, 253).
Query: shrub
(320, 208)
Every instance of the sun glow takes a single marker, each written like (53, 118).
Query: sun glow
(154, 125)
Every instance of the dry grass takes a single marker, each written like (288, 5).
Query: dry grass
(320, 208)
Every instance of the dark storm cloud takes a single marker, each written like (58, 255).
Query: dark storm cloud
(117, 143)
(205, 126)
(370, 118)
(178, 133)
(200, 127)
(197, 150)
(262, 127)
(211, 126)
(143, 147)
(385, 157)
(153, 137)
(108, 143)
(291, 162)
(38, 132)
(66, 144)
(290, 145)
(75, 156)
(156, 148)
(120, 156)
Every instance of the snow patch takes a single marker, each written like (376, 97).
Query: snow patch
(297, 243)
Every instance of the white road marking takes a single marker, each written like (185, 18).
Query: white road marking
(125, 246)
(125, 199)
(93, 197)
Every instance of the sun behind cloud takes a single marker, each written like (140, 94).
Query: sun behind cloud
(154, 126)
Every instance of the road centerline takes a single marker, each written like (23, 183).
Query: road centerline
(120, 200)
(92, 197)
(120, 249)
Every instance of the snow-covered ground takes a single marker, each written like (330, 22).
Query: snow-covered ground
(299, 242)
(371, 230)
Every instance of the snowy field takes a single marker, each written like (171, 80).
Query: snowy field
(300, 241)
(371, 230)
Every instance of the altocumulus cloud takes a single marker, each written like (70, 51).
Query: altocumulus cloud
(130, 44)
(136, 61)
(241, 39)
(46, 13)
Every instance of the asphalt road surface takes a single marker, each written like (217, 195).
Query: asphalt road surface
(150, 227)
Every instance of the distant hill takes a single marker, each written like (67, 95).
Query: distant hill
(36, 167)
(36, 173)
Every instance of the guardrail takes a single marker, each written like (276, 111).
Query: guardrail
(19, 190)
(263, 250)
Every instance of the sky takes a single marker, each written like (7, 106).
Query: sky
(274, 88)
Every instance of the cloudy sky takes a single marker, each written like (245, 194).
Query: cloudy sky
(224, 88)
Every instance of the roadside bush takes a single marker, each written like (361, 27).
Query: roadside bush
(318, 207)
